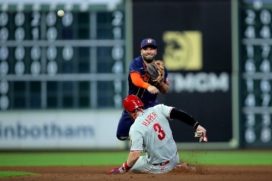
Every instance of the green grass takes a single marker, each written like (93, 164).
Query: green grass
(228, 157)
(116, 158)
(14, 173)
(62, 158)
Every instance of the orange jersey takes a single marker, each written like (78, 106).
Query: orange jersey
(138, 80)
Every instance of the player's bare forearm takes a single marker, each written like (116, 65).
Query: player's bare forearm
(133, 157)
(127, 165)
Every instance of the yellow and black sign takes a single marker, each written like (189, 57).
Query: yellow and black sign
(183, 50)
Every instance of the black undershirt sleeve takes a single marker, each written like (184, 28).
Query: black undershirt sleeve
(184, 117)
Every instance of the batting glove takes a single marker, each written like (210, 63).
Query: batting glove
(120, 170)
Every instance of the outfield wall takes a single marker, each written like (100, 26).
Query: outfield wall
(59, 130)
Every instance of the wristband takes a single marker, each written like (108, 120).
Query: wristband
(125, 166)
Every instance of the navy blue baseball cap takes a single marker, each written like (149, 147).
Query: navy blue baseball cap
(148, 42)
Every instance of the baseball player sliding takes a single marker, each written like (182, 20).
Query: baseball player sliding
(151, 133)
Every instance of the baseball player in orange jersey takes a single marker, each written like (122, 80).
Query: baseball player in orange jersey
(151, 133)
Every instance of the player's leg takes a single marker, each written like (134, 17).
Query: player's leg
(123, 126)
(143, 166)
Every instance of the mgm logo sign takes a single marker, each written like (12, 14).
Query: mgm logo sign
(183, 50)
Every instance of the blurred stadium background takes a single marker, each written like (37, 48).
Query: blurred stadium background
(63, 75)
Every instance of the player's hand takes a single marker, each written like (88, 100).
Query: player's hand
(123, 169)
(118, 170)
(201, 133)
(152, 89)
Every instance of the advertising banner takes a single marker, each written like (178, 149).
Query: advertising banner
(59, 130)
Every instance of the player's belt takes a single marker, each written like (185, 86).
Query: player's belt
(162, 163)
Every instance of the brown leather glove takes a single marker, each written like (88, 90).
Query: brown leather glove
(156, 72)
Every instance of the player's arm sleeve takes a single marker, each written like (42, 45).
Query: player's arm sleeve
(165, 110)
(136, 139)
(137, 80)
(184, 117)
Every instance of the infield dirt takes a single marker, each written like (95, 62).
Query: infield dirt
(203, 173)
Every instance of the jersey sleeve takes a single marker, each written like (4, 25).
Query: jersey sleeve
(137, 80)
(136, 139)
(165, 110)
(135, 66)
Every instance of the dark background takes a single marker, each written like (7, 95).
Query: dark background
(213, 18)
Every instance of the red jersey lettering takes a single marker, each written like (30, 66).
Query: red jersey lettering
(149, 119)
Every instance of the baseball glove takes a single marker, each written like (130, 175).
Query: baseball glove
(156, 72)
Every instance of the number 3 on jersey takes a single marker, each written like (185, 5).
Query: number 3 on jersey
(158, 129)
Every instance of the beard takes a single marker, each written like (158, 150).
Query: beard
(148, 59)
